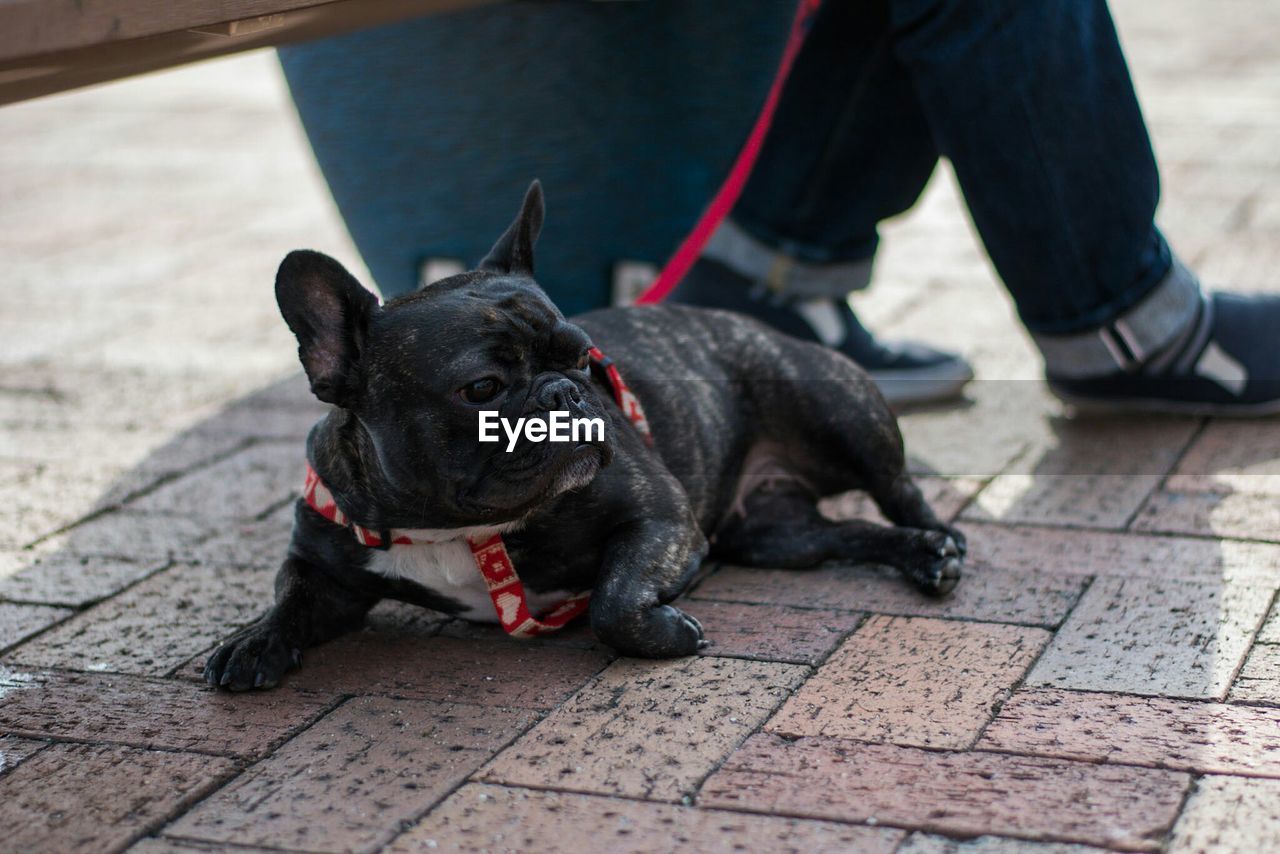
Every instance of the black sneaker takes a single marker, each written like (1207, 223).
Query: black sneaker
(1228, 363)
(906, 372)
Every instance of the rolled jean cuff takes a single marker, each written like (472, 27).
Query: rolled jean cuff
(783, 274)
(1128, 341)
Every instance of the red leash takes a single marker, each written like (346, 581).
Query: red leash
(727, 196)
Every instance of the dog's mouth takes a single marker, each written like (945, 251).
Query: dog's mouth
(569, 471)
(584, 463)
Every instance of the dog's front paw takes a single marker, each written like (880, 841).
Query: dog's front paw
(659, 632)
(256, 657)
(935, 565)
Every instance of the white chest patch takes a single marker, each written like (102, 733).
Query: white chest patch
(449, 569)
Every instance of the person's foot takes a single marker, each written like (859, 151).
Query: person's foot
(1226, 363)
(905, 372)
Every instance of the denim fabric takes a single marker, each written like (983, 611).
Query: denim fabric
(1032, 103)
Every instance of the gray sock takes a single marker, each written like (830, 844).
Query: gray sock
(1135, 339)
(779, 271)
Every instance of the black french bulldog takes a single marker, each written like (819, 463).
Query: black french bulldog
(750, 428)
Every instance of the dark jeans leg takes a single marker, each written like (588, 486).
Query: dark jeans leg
(850, 144)
(1032, 102)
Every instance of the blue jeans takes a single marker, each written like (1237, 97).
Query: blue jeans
(1032, 103)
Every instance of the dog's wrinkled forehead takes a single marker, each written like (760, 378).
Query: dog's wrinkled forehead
(519, 318)
(510, 318)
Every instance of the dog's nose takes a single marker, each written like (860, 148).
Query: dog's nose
(559, 394)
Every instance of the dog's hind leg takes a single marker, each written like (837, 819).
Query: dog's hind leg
(827, 424)
(781, 527)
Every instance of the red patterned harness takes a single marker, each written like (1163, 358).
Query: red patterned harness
(490, 553)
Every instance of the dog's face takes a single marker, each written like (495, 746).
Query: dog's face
(417, 372)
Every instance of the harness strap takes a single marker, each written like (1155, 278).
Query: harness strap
(509, 599)
(320, 499)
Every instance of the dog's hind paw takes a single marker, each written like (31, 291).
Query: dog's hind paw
(255, 657)
(936, 569)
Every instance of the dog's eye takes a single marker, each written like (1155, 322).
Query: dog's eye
(481, 391)
(583, 361)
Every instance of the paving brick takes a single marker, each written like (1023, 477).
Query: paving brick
(946, 495)
(1095, 474)
(14, 750)
(266, 415)
(150, 713)
(963, 794)
(292, 394)
(1259, 679)
(240, 487)
(21, 621)
(72, 580)
(981, 440)
(156, 626)
(648, 729)
(993, 595)
(259, 543)
(987, 337)
(1229, 814)
(98, 798)
(526, 674)
(62, 396)
(1078, 500)
(162, 845)
(770, 632)
(390, 759)
(395, 621)
(913, 681)
(1143, 636)
(1270, 631)
(923, 843)
(140, 459)
(138, 537)
(1211, 514)
(1074, 552)
(47, 497)
(1153, 731)
(486, 818)
(1232, 456)
(149, 454)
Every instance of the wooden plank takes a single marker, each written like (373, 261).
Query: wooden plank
(35, 27)
(49, 46)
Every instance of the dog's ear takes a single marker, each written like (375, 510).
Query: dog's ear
(513, 253)
(328, 311)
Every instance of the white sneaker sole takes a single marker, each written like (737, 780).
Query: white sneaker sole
(931, 385)
(1156, 406)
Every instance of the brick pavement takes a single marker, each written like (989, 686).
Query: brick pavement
(1107, 676)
